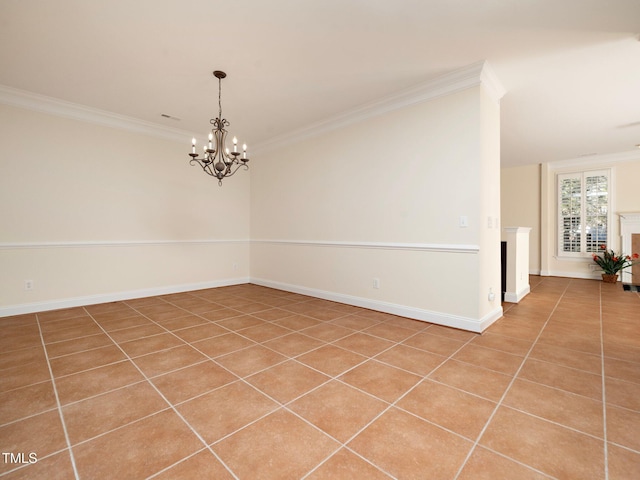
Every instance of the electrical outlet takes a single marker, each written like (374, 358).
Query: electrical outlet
(464, 221)
(28, 284)
(235, 266)
(376, 283)
(491, 296)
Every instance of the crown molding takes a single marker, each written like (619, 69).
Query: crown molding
(61, 108)
(604, 160)
(479, 73)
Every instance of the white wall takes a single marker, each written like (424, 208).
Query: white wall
(520, 189)
(529, 200)
(382, 198)
(92, 213)
(625, 172)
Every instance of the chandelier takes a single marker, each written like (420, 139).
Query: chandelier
(217, 160)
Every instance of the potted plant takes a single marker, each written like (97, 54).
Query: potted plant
(611, 263)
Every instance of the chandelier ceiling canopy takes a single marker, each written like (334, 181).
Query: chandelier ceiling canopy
(216, 159)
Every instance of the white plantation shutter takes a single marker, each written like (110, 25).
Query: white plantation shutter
(583, 212)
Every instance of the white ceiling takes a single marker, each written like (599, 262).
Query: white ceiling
(571, 68)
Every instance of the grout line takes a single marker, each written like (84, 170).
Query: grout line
(515, 376)
(284, 406)
(604, 395)
(60, 413)
(170, 405)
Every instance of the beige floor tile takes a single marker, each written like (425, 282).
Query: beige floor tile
(328, 332)
(278, 446)
(434, 343)
(202, 465)
(448, 407)
(53, 467)
(527, 439)
(225, 410)
(141, 448)
(346, 465)
(154, 343)
(355, 322)
(222, 345)
(272, 314)
(406, 446)
(241, 322)
(42, 434)
(412, 359)
(622, 370)
(623, 464)
(168, 360)
(490, 359)
(287, 381)
(297, 322)
(568, 358)
(572, 342)
(380, 380)
(78, 345)
(79, 386)
(502, 343)
(181, 385)
(77, 362)
(21, 357)
(623, 426)
(487, 465)
(550, 425)
(134, 333)
(200, 332)
(621, 350)
(568, 409)
(452, 333)
(325, 314)
(478, 381)
(71, 333)
(58, 325)
(115, 322)
(390, 331)
(163, 312)
(26, 401)
(23, 375)
(264, 332)
(293, 344)
(250, 360)
(622, 394)
(338, 409)
(61, 314)
(100, 414)
(220, 314)
(557, 376)
(516, 327)
(331, 360)
(183, 322)
(364, 344)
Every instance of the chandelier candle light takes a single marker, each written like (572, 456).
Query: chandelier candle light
(217, 160)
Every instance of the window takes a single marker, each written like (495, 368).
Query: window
(583, 212)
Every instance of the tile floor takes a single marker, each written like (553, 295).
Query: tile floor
(252, 383)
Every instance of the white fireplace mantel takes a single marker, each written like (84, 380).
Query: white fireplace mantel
(629, 224)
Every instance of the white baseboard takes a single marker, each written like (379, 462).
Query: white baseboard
(114, 297)
(585, 276)
(515, 297)
(455, 321)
